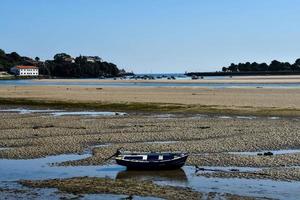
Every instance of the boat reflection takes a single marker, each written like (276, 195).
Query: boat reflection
(177, 175)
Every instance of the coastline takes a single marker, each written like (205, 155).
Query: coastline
(209, 123)
(235, 79)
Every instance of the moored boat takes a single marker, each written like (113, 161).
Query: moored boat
(151, 160)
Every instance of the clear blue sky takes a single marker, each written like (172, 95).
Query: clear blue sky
(154, 35)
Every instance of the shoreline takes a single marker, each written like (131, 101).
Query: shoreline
(239, 79)
(159, 108)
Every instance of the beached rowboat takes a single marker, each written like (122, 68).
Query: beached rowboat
(151, 161)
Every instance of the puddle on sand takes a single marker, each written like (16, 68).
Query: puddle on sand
(210, 169)
(225, 117)
(87, 113)
(4, 148)
(58, 113)
(199, 116)
(37, 169)
(274, 118)
(27, 111)
(245, 117)
(244, 187)
(275, 152)
(164, 116)
(161, 142)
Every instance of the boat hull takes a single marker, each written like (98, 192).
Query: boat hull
(153, 165)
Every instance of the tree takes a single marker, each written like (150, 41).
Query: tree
(275, 66)
(2, 52)
(297, 62)
(296, 65)
(232, 67)
(15, 56)
(62, 65)
(263, 67)
(60, 57)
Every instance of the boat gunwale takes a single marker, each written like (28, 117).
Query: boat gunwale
(151, 152)
(153, 161)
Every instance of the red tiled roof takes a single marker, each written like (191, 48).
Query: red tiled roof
(26, 67)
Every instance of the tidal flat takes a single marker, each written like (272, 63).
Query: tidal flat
(209, 139)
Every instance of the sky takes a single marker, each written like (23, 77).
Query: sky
(154, 36)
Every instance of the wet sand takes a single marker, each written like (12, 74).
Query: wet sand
(207, 139)
(256, 101)
(128, 187)
(79, 186)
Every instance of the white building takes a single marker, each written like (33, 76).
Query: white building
(93, 59)
(22, 70)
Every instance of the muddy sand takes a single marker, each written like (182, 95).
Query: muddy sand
(85, 185)
(207, 139)
(250, 101)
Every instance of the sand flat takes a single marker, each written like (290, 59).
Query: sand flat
(228, 97)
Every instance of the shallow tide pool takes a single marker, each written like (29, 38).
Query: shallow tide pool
(58, 113)
(36, 169)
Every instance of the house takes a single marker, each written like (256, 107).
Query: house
(93, 59)
(71, 60)
(22, 70)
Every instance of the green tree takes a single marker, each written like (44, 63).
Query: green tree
(275, 66)
(61, 57)
(2, 52)
(15, 56)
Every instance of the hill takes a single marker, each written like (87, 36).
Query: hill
(63, 65)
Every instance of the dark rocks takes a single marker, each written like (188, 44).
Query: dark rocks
(269, 153)
(204, 127)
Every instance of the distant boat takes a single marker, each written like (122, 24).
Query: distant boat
(150, 160)
(194, 77)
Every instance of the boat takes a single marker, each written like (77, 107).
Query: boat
(151, 160)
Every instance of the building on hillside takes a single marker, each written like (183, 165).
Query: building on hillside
(22, 70)
(93, 59)
(71, 60)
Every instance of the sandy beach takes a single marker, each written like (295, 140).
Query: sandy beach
(247, 100)
(207, 139)
(216, 126)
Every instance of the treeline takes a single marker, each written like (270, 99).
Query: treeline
(260, 67)
(8, 60)
(63, 65)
